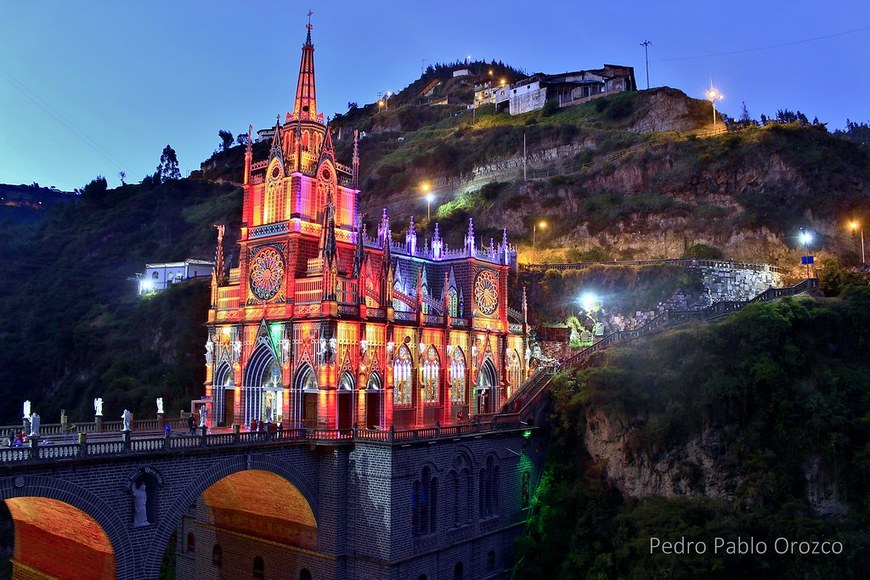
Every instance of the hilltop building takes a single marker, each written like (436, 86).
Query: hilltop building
(161, 276)
(565, 89)
(325, 325)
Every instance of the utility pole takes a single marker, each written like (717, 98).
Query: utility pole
(645, 44)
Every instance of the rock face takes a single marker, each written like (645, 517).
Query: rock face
(694, 469)
(701, 467)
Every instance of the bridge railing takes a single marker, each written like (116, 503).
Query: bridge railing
(108, 444)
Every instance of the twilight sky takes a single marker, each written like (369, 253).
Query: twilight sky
(94, 88)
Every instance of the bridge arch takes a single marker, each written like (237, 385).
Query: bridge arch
(219, 471)
(72, 494)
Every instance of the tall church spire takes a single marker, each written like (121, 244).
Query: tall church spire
(306, 97)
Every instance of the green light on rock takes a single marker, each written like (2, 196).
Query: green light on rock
(527, 433)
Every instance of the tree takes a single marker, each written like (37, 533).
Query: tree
(122, 175)
(226, 139)
(95, 190)
(242, 139)
(168, 168)
(744, 114)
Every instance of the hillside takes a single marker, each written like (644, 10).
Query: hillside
(751, 428)
(71, 326)
(29, 203)
(628, 176)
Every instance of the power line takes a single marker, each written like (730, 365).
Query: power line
(760, 48)
(35, 98)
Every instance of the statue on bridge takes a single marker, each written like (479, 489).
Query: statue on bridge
(34, 425)
(126, 418)
(140, 504)
(98, 407)
(26, 414)
(159, 405)
(203, 416)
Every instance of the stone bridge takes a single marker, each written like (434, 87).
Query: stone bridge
(357, 487)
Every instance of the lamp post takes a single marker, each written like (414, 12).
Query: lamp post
(806, 238)
(857, 226)
(541, 224)
(429, 199)
(713, 95)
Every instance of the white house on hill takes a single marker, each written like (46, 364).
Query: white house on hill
(159, 277)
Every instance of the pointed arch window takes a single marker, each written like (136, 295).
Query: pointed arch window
(345, 383)
(305, 395)
(402, 378)
(456, 376)
(452, 302)
(431, 367)
(263, 373)
(515, 371)
(424, 503)
(223, 381)
(274, 201)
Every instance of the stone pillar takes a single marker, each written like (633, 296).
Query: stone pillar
(160, 421)
(98, 421)
(126, 440)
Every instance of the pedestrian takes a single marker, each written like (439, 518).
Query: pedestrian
(191, 424)
(167, 430)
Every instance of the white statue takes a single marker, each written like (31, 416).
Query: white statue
(237, 350)
(34, 425)
(209, 351)
(140, 504)
(159, 405)
(98, 407)
(203, 415)
(126, 417)
(26, 410)
(285, 350)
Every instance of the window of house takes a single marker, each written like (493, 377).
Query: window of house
(217, 556)
(490, 560)
(259, 568)
(191, 543)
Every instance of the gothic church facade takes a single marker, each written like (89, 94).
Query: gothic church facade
(324, 326)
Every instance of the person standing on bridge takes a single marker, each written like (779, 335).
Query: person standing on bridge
(191, 424)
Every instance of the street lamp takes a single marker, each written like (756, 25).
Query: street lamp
(541, 224)
(857, 226)
(713, 95)
(805, 238)
(429, 199)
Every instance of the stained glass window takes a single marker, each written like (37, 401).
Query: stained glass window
(402, 377)
(456, 376)
(430, 376)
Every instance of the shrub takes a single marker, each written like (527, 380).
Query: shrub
(703, 251)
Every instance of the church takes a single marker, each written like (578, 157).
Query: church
(324, 325)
